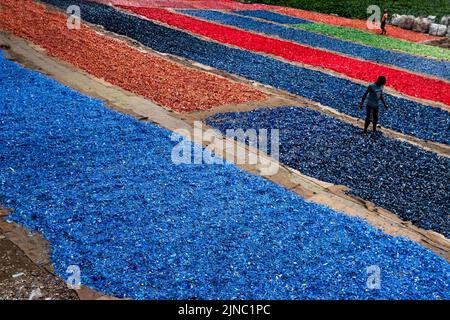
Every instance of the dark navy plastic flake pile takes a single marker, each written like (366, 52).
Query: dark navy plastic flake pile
(434, 67)
(272, 16)
(395, 175)
(101, 187)
(405, 116)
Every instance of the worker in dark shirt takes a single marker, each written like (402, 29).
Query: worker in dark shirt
(384, 19)
(374, 95)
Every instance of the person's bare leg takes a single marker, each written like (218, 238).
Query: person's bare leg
(367, 121)
(374, 120)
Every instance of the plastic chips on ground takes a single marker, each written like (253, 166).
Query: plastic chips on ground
(404, 82)
(272, 16)
(394, 175)
(405, 116)
(167, 83)
(424, 65)
(392, 31)
(187, 4)
(379, 41)
(102, 189)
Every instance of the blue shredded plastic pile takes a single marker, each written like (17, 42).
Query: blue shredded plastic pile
(395, 175)
(405, 116)
(432, 67)
(101, 187)
(272, 16)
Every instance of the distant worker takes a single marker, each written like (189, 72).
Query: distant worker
(384, 20)
(374, 95)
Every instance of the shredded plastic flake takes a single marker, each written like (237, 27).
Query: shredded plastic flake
(167, 83)
(392, 31)
(272, 16)
(405, 82)
(376, 40)
(431, 67)
(101, 187)
(394, 175)
(405, 116)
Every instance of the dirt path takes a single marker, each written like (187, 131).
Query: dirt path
(443, 43)
(21, 277)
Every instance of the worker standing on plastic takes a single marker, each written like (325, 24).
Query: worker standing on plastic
(384, 19)
(374, 95)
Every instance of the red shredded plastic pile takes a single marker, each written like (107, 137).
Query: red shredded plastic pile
(402, 81)
(167, 83)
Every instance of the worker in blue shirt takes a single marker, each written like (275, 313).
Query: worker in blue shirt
(374, 95)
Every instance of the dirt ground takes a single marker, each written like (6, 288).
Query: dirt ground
(443, 43)
(22, 279)
(26, 272)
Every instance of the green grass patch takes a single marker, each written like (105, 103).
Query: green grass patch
(358, 8)
(377, 41)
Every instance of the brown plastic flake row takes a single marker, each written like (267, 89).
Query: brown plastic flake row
(165, 82)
